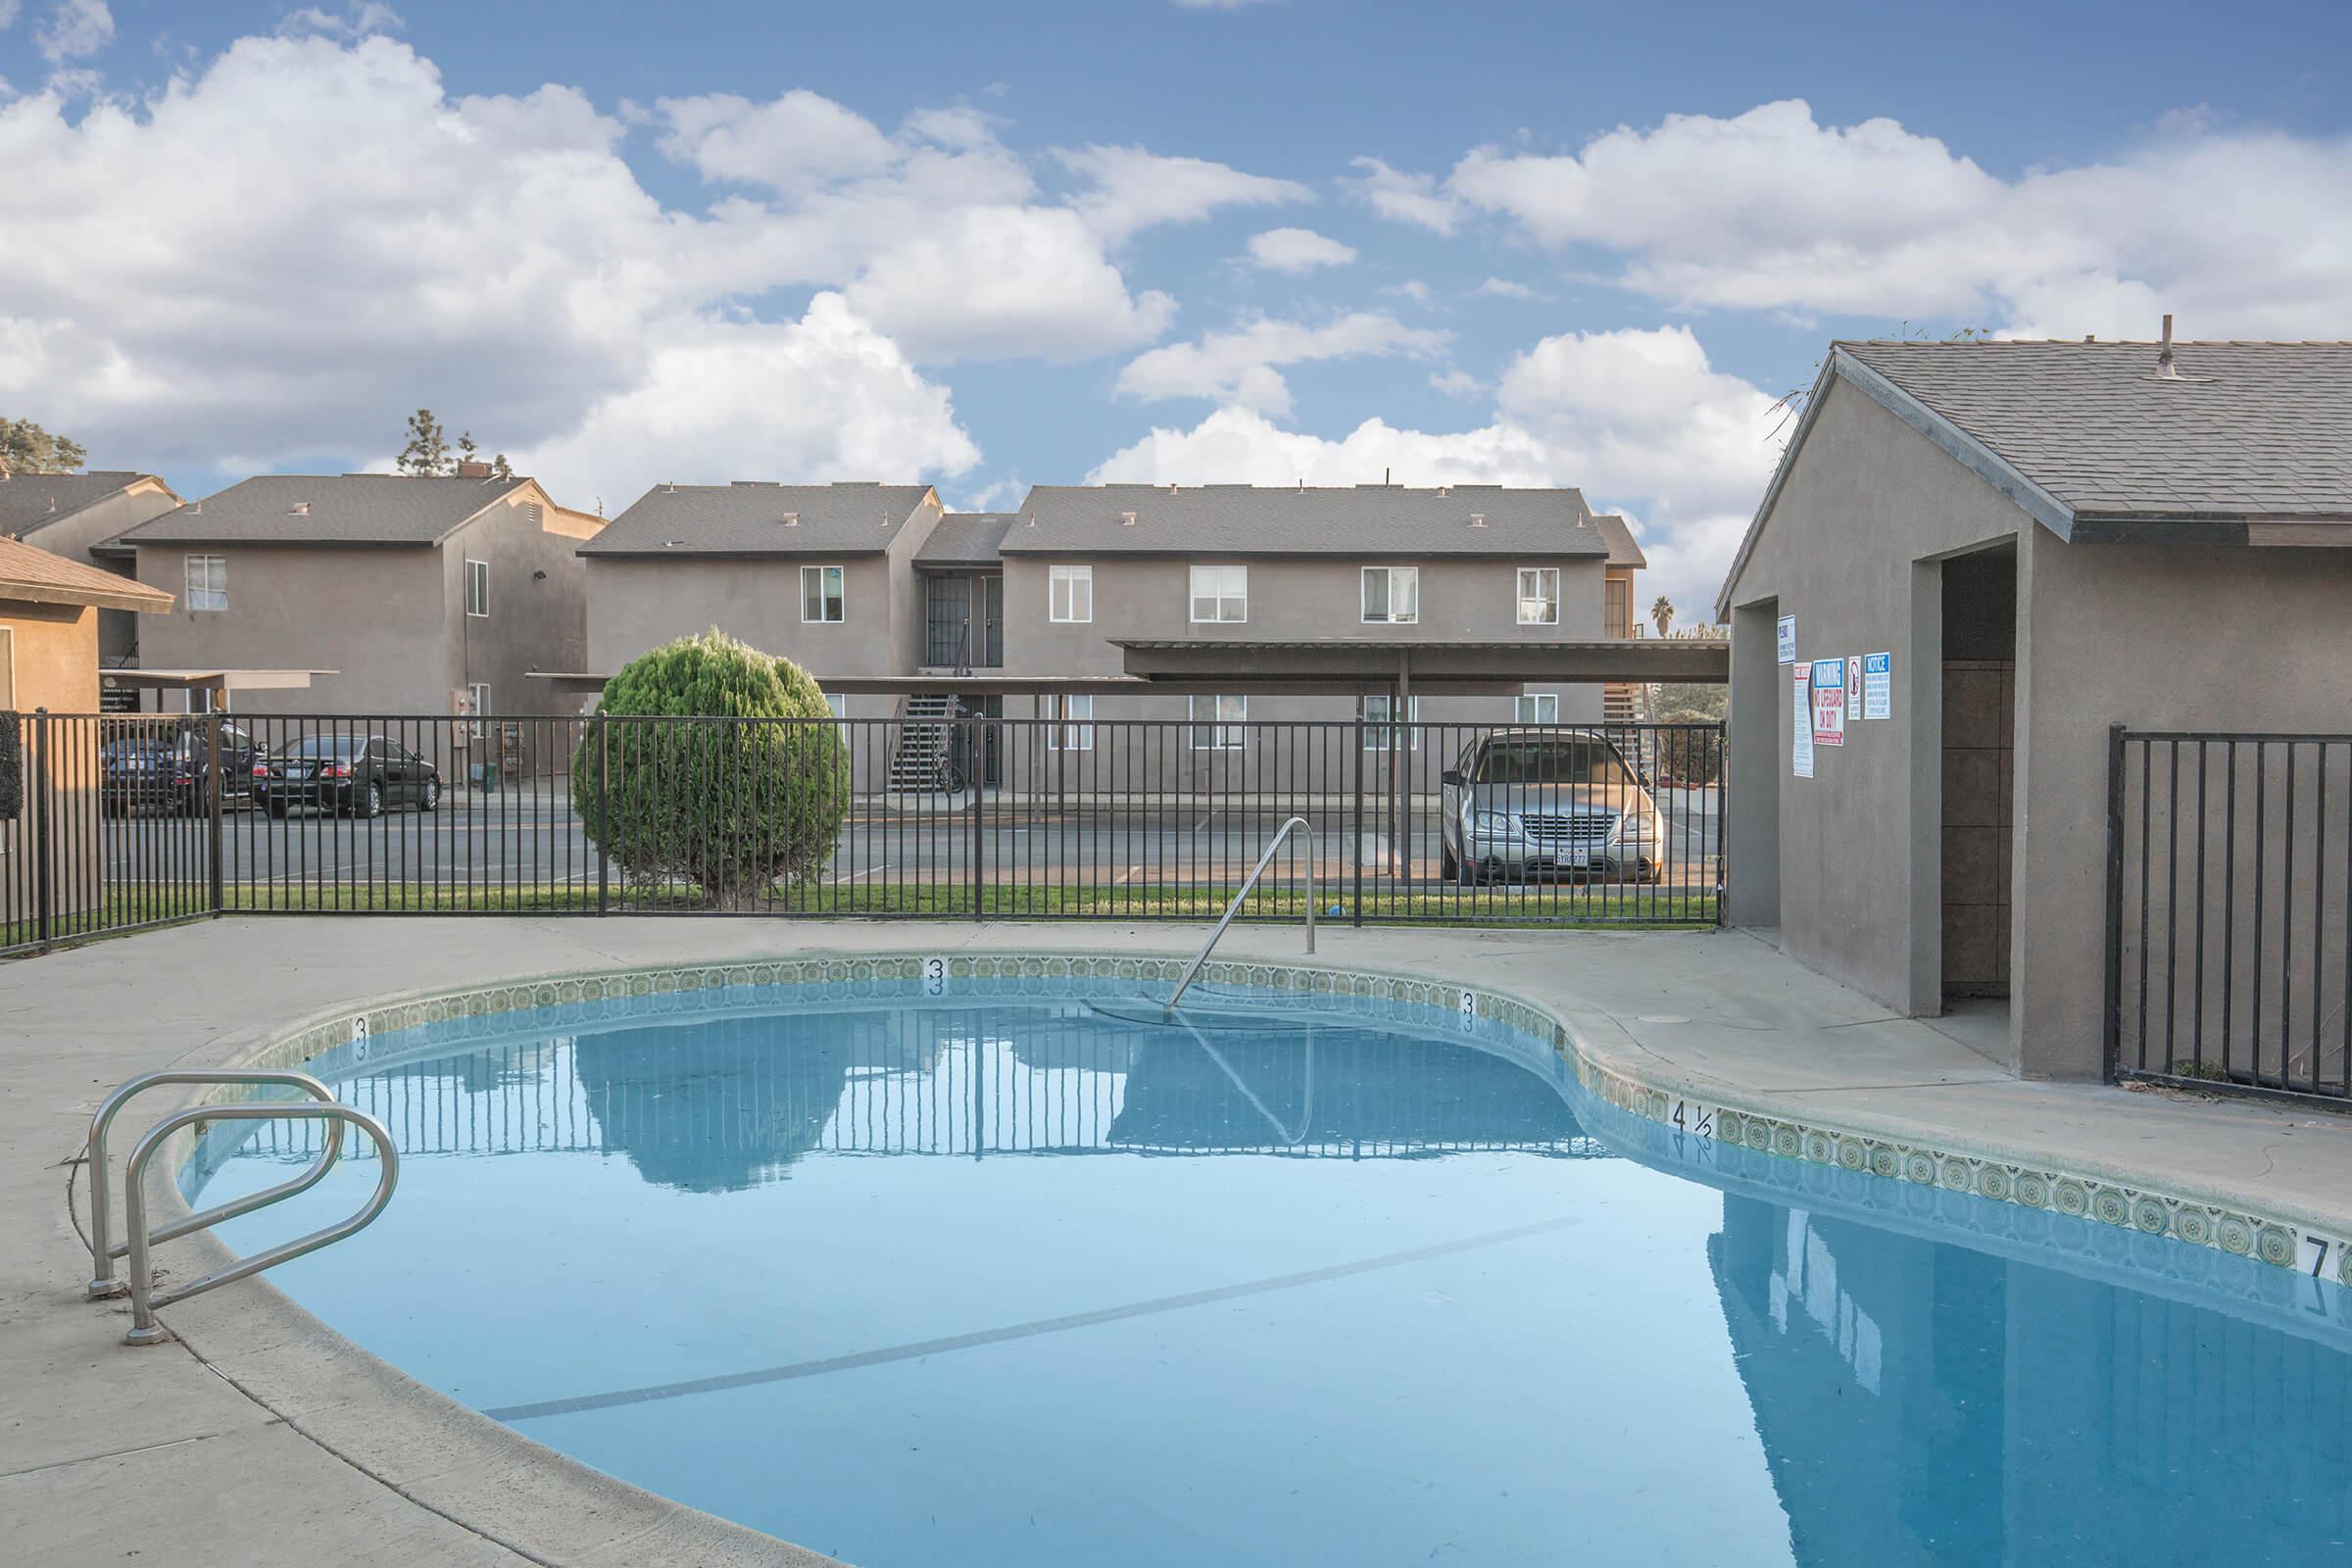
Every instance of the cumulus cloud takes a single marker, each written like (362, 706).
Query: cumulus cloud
(1502, 288)
(1298, 250)
(793, 144)
(1407, 198)
(357, 20)
(2242, 232)
(1238, 366)
(1129, 189)
(74, 29)
(1458, 383)
(1639, 419)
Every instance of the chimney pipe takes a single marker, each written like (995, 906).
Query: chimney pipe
(2164, 354)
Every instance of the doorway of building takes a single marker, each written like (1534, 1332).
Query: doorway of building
(1979, 733)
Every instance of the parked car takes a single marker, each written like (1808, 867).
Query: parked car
(351, 775)
(158, 764)
(1528, 804)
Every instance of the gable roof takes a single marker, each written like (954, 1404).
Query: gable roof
(346, 508)
(2095, 441)
(29, 573)
(966, 539)
(753, 517)
(1241, 520)
(29, 501)
(1623, 552)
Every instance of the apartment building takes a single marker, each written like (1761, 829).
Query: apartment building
(76, 516)
(394, 595)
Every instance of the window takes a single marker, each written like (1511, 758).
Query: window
(1539, 596)
(479, 691)
(1073, 592)
(1072, 733)
(1220, 593)
(208, 582)
(1380, 723)
(478, 589)
(1217, 720)
(820, 593)
(1538, 707)
(839, 704)
(1392, 595)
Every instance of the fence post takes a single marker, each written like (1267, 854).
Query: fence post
(1722, 775)
(2112, 1046)
(213, 795)
(604, 817)
(41, 825)
(974, 775)
(1356, 892)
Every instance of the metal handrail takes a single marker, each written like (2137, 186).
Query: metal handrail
(102, 1255)
(1231, 909)
(144, 1297)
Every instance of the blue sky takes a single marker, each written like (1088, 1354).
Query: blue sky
(997, 245)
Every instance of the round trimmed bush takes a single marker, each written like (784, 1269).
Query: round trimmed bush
(714, 765)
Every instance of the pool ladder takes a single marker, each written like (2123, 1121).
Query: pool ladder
(1231, 909)
(322, 1107)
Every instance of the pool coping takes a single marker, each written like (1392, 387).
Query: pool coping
(547, 1507)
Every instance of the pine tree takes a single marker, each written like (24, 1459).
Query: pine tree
(428, 451)
(26, 448)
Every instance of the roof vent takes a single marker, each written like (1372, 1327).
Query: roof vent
(1478, 520)
(673, 544)
(1171, 487)
(670, 489)
(302, 508)
(2163, 351)
(195, 508)
(1126, 519)
(791, 520)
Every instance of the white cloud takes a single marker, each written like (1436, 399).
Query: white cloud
(1638, 420)
(1298, 250)
(1458, 383)
(1131, 189)
(2242, 233)
(357, 20)
(1502, 288)
(8, 14)
(1415, 199)
(823, 398)
(792, 144)
(1238, 366)
(75, 30)
(1413, 288)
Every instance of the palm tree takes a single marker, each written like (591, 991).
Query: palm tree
(1663, 613)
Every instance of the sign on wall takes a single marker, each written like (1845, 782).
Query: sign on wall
(1853, 687)
(1829, 702)
(1877, 685)
(1803, 737)
(1787, 639)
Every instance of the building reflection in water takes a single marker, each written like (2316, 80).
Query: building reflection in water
(732, 1102)
(1922, 1403)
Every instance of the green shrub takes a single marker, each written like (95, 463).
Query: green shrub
(699, 773)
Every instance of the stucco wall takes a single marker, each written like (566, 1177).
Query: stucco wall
(72, 535)
(55, 665)
(638, 603)
(55, 657)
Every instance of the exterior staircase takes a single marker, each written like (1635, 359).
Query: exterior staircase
(923, 761)
(1623, 702)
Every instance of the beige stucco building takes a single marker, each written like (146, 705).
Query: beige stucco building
(77, 515)
(2046, 539)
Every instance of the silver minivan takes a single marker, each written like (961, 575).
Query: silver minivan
(1528, 804)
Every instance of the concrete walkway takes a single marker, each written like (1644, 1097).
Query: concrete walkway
(256, 1443)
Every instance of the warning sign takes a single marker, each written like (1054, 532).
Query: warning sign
(1829, 702)
(1802, 755)
(1877, 685)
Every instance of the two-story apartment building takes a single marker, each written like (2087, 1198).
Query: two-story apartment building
(77, 516)
(403, 595)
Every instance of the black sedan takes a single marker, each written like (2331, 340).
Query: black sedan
(352, 775)
(161, 766)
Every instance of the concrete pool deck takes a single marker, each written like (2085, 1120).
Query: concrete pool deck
(264, 1438)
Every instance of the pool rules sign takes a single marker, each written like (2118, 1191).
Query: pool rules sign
(1829, 702)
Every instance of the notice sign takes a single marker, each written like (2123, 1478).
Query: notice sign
(1877, 685)
(1803, 708)
(1853, 688)
(1787, 639)
(1829, 702)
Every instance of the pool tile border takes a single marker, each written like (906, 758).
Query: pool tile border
(455, 1015)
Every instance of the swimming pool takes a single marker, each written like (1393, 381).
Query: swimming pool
(1022, 1273)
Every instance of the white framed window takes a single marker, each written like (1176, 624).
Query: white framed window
(820, 594)
(1380, 722)
(1538, 707)
(1217, 723)
(1072, 730)
(1539, 596)
(208, 582)
(839, 704)
(478, 693)
(1220, 593)
(1391, 596)
(1072, 594)
(478, 589)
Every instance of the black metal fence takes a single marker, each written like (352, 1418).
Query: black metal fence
(2230, 896)
(133, 820)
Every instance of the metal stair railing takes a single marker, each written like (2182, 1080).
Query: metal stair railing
(1281, 834)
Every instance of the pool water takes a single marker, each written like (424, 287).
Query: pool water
(947, 1283)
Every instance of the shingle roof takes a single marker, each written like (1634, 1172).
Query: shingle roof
(1623, 552)
(2248, 430)
(30, 572)
(346, 508)
(1240, 520)
(32, 501)
(752, 518)
(966, 539)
